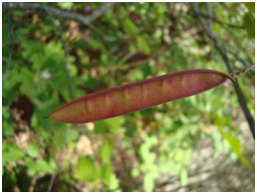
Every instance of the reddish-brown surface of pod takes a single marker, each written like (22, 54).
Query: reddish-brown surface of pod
(137, 96)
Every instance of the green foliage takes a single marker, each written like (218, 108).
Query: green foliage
(7, 123)
(108, 125)
(86, 170)
(32, 150)
(183, 177)
(11, 153)
(129, 152)
(249, 23)
(130, 27)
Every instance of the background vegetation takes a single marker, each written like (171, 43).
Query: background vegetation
(50, 57)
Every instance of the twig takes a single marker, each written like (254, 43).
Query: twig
(100, 11)
(217, 21)
(66, 54)
(34, 180)
(221, 49)
(58, 12)
(11, 49)
(49, 188)
(124, 59)
(209, 8)
(242, 72)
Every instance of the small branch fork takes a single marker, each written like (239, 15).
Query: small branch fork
(233, 76)
(58, 12)
(222, 50)
(86, 20)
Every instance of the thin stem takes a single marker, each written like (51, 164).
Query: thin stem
(50, 185)
(66, 53)
(222, 50)
(242, 72)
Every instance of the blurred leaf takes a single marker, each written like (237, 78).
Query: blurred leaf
(114, 183)
(105, 152)
(237, 148)
(130, 132)
(32, 150)
(249, 23)
(150, 141)
(144, 151)
(135, 173)
(150, 158)
(31, 165)
(168, 123)
(183, 177)
(143, 45)
(104, 126)
(11, 152)
(113, 124)
(65, 5)
(86, 170)
(46, 165)
(7, 126)
(72, 70)
(105, 173)
(148, 182)
(100, 127)
(129, 27)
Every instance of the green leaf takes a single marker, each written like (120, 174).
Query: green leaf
(46, 165)
(135, 173)
(130, 131)
(11, 152)
(148, 182)
(150, 158)
(250, 6)
(168, 123)
(105, 152)
(31, 166)
(104, 126)
(65, 5)
(144, 151)
(237, 148)
(105, 173)
(100, 127)
(86, 170)
(32, 150)
(114, 183)
(113, 124)
(142, 45)
(249, 23)
(183, 177)
(7, 126)
(129, 27)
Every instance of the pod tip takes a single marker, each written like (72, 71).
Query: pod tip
(45, 117)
